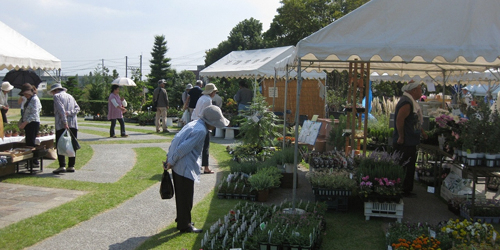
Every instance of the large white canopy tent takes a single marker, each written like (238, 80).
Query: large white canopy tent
(258, 64)
(18, 52)
(404, 37)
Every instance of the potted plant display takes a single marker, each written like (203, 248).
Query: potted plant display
(261, 182)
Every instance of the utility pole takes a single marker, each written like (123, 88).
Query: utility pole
(140, 66)
(126, 65)
(102, 67)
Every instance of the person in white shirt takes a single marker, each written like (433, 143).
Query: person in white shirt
(4, 100)
(204, 101)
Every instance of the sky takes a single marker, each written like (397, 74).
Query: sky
(81, 33)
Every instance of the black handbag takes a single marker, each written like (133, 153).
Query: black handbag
(74, 141)
(166, 186)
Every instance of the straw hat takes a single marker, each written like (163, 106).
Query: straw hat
(25, 88)
(6, 86)
(209, 89)
(213, 116)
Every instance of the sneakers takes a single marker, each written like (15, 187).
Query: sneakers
(60, 170)
(70, 169)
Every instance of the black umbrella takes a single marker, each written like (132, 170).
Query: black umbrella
(19, 77)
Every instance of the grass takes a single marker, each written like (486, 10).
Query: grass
(100, 197)
(84, 154)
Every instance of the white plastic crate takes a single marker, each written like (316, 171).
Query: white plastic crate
(389, 210)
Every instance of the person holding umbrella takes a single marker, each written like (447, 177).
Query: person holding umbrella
(4, 100)
(30, 121)
(115, 111)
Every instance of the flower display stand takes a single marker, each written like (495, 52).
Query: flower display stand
(389, 210)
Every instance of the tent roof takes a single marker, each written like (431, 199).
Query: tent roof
(469, 78)
(260, 63)
(17, 51)
(409, 38)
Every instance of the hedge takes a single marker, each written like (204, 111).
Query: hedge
(86, 107)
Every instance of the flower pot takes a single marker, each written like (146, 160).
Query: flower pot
(274, 247)
(263, 195)
(263, 246)
(471, 159)
(490, 160)
(289, 167)
(480, 157)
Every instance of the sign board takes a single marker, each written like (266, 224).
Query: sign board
(273, 92)
(309, 132)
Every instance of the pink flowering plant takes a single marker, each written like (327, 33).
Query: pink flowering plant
(365, 187)
(380, 174)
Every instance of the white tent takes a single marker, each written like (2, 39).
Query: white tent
(260, 63)
(18, 52)
(406, 37)
(470, 78)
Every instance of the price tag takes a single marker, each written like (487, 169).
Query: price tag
(430, 189)
(432, 233)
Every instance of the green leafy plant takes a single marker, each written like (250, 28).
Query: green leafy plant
(260, 127)
(261, 181)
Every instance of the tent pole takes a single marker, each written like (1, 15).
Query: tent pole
(274, 92)
(284, 109)
(444, 89)
(296, 150)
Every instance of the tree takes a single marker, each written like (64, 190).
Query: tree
(99, 84)
(246, 35)
(159, 64)
(72, 85)
(177, 85)
(135, 96)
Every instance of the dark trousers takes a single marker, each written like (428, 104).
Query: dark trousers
(4, 115)
(61, 158)
(113, 124)
(204, 152)
(408, 159)
(184, 192)
(31, 130)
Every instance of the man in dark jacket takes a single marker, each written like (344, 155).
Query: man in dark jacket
(160, 95)
(193, 96)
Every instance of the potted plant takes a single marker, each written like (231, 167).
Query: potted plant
(7, 128)
(261, 182)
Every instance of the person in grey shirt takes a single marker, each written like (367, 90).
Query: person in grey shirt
(244, 96)
(65, 111)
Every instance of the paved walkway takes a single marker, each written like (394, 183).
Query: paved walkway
(123, 227)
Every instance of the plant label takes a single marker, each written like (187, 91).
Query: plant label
(430, 189)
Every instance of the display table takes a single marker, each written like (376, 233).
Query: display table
(38, 140)
(425, 151)
(219, 132)
(43, 144)
(480, 171)
(230, 132)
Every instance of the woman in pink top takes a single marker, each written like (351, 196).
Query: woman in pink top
(115, 111)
